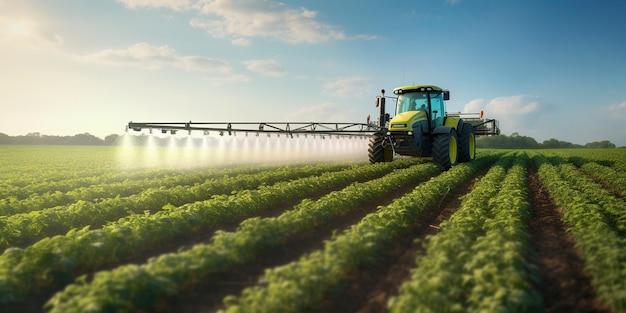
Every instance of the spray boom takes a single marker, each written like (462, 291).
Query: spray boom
(289, 128)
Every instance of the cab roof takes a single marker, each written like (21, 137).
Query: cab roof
(404, 89)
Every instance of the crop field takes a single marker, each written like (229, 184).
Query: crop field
(512, 231)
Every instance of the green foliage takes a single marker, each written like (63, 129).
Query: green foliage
(23, 229)
(70, 215)
(300, 285)
(591, 214)
(229, 249)
(137, 232)
(477, 262)
(517, 141)
(600, 144)
(39, 139)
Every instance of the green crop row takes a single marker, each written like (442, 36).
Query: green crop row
(27, 170)
(161, 276)
(21, 185)
(33, 170)
(613, 207)
(436, 284)
(302, 284)
(611, 177)
(45, 195)
(26, 228)
(608, 167)
(477, 262)
(603, 249)
(58, 260)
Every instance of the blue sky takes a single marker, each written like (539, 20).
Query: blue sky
(545, 69)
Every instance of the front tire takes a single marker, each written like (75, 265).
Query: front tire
(376, 151)
(467, 143)
(445, 149)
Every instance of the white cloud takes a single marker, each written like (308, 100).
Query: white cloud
(355, 87)
(21, 32)
(201, 64)
(366, 37)
(144, 55)
(243, 42)
(474, 106)
(176, 5)
(617, 111)
(513, 105)
(520, 113)
(265, 67)
(252, 18)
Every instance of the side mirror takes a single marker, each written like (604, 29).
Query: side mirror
(446, 95)
(379, 101)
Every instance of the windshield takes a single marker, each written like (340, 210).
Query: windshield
(414, 101)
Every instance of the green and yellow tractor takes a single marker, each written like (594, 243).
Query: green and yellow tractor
(422, 127)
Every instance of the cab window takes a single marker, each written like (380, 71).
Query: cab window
(437, 111)
(412, 101)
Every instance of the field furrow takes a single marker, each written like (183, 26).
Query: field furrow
(302, 284)
(565, 284)
(20, 230)
(603, 249)
(99, 188)
(227, 249)
(82, 250)
(512, 231)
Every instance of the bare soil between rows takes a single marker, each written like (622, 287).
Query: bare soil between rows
(36, 302)
(565, 285)
(360, 293)
(209, 297)
(369, 292)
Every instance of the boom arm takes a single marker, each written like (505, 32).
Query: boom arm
(289, 128)
(482, 126)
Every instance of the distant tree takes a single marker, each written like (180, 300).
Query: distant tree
(558, 144)
(515, 141)
(600, 144)
(86, 139)
(111, 140)
(39, 139)
(5, 139)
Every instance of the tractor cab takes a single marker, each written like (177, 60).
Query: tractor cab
(429, 99)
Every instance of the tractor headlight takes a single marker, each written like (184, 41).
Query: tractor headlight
(398, 126)
(410, 133)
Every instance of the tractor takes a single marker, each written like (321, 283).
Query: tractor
(422, 127)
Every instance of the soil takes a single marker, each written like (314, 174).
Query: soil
(565, 286)
(208, 297)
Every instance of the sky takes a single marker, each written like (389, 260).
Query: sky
(544, 69)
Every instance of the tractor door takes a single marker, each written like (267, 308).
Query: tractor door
(438, 109)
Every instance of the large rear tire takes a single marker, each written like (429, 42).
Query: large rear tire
(467, 143)
(445, 149)
(376, 151)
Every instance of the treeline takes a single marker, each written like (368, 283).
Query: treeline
(84, 139)
(517, 141)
